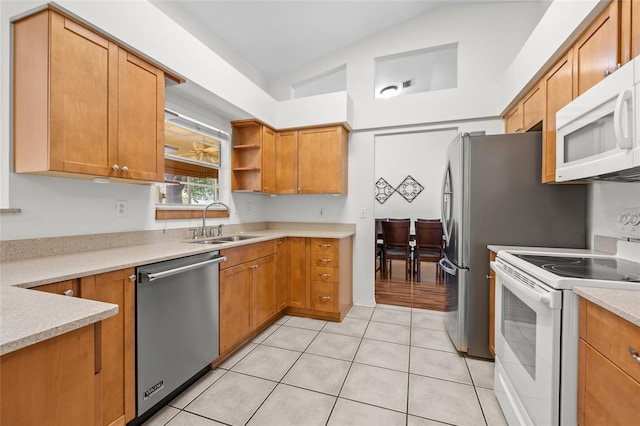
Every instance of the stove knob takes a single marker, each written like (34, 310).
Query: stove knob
(634, 219)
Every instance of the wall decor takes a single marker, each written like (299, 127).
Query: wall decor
(409, 188)
(382, 190)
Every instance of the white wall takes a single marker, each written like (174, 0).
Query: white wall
(421, 154)
(489, 36)
(605, 201)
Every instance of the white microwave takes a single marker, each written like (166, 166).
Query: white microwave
(596, 137)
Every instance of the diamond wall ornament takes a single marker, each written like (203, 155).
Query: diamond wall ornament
(409, 188)
(382, 190)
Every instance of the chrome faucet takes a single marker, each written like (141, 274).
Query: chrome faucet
(203, 231)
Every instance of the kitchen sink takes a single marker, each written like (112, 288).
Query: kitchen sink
(221, 240)
(236, 238)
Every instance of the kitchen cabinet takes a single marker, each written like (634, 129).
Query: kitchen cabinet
(596, 52)
(287, 162)
(557, 85)
(607, 368)
(303, 161)
(53, 382)
(282, 284)
(492, 305)
(629, 30)
(321, 277)
(527, 113)
(253, 157)
(116, 347)
(247, 292)
(323, 160)
(83, 105)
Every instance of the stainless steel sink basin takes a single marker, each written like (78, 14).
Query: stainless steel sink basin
(221, 240)
(236, 238)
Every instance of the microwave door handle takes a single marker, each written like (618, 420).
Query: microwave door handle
(541, 297)
(621, 119)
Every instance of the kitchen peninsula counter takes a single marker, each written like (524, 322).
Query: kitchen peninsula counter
(28, 317)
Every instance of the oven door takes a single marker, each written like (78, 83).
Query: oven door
(527, 344)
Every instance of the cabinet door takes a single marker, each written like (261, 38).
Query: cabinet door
(268, 160)
(52, 382)
(596, 51)
(322, 157)
(67, 288)
(140, 119)
(298, 272)
(533, 107)
(118, 342)
(513, 119)
(83, 91)
(235, 305)
(287, 162)
(282, 285)
(263, 292)
(629, 30)
(606, 394)
(558, 89)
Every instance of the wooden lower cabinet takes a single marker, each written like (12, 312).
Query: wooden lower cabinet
(116, 387)
(53, 382)
(321, 277)
(282, 284)
(118, 399)
(247, 292)
(608, 375)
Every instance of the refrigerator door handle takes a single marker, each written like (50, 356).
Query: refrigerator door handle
(444, 265)
(445, 221)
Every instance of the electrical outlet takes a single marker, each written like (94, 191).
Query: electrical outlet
(121, 208)
(363, 213)
(248, 207)
(321, 210)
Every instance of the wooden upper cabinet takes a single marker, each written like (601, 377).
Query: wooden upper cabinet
(558, 87)
(287, 162)
(253, 157)
(513, 119)
(629, 30)
(322, 160)
(596, 52)
(527, 113)
(82, 104)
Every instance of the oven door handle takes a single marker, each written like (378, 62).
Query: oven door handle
(536, 293)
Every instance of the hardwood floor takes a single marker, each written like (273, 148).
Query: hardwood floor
(429, 293)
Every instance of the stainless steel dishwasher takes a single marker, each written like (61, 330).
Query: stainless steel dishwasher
(176, 326)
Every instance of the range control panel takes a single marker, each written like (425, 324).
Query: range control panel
(628, 222)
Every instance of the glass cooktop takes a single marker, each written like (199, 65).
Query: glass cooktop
(593, 268)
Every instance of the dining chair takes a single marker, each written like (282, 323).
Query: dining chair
(429, 243)
(378, 245)
(395, 243)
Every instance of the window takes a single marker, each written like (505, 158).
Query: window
(192, 163)
(424, 70)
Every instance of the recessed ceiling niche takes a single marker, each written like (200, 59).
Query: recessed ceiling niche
(423, 70)
(334, 80)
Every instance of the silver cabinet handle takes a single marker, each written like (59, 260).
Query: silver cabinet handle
(132, 278)
(325, 275)
(325, 297)
(254, 266)
(324, 260)
(634, 353)
(125, 169)
(68, 293)
(324, 245)
(115, 167)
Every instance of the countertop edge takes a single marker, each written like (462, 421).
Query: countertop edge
(623, 303)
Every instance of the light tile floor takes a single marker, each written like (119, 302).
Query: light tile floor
(380, 366)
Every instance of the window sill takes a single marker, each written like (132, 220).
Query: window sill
(187, 212)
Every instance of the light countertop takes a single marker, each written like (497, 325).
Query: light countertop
(28, 317)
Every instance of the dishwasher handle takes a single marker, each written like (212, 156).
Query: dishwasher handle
(145, 277)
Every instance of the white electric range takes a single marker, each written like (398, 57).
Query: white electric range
(536, 329)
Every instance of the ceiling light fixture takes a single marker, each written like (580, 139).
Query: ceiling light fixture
(388, 91)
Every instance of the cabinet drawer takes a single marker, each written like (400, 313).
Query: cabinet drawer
(324, 245)
(246, 253)
(319, 273)
(612, 336)
(329, 259)
(324, 296)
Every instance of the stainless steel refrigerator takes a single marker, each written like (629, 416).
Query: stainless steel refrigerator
(491, 194)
